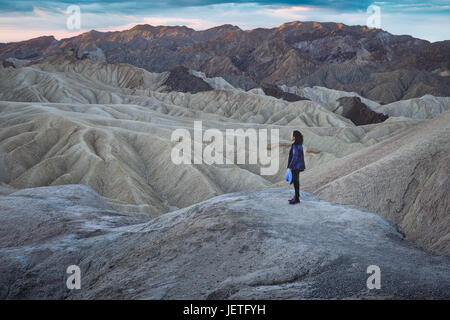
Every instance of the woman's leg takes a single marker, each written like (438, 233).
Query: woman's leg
(295, 180)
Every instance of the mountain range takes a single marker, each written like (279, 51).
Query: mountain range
(372, 62)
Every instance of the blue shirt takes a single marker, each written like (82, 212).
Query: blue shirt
(298, 160)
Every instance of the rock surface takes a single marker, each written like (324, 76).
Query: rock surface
(352, 108)
(216, 83)
(405, 179)
(248, 245)
(180, 79)
(327, 97)
(275, 91)
(426, 107)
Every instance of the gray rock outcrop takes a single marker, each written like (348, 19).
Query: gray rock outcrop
(247, 245)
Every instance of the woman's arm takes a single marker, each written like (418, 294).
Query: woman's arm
(294, 157)
(289, 158)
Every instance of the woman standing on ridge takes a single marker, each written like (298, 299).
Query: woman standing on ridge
(296, 163)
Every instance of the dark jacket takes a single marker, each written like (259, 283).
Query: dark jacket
(296, 158)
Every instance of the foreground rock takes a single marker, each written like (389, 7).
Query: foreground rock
(405, 179)
(248, 245)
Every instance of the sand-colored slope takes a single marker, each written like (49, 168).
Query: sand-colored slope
(405, 179)
(123, 152)
(327, 97)
(105, 148)
(426, 107)
(253, 108)
(109, 126)
(65, 79)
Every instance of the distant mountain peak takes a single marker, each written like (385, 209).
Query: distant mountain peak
(371, 62)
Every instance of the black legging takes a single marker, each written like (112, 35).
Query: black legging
(296, 181)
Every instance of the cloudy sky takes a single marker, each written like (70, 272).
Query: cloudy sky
(25, 19)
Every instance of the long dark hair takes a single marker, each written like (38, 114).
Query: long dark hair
(298, 137)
